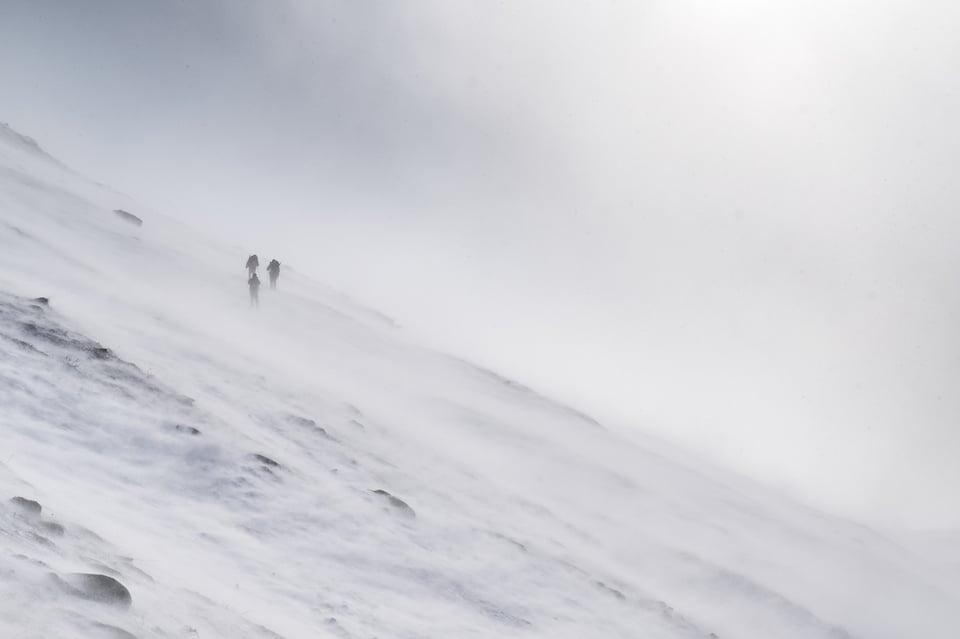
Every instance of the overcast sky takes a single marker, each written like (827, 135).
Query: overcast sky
(730, 223)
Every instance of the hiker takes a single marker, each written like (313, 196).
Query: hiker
(252, 263)
(273, 268)
(254, 284)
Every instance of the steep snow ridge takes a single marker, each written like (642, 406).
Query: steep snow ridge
(24, 152)
(306, 471)
(19, 141)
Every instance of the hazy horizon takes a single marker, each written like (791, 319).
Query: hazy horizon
(727, 224)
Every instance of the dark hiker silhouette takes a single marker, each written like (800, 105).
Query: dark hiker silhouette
(273, 268)
(254, 284)
(252, 263)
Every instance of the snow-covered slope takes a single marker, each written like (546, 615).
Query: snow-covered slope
(306, 471)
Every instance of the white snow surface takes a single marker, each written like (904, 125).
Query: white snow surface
(220, 462)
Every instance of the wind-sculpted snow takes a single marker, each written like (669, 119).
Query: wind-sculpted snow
(176, 464)
(21, 142)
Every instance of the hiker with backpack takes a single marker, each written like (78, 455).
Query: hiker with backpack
(252, 263)
(273, 268)
(254, 284)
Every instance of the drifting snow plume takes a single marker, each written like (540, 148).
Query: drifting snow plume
(127, 216)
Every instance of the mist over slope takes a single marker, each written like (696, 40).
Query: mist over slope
(305, 470)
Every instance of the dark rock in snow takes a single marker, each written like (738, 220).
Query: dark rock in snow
(49, 334)
(302, 421)
(53, 528)
(611, 591)
(509, 540)
(28, 506)
(308, 423)
(266, 461)
(127, 216)
(42, 300)
(336, 629)
(22, 345)
(190, 430)
(99, 352)
(396, 502)
(99, 588)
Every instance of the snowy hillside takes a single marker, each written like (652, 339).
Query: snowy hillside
(306, 471)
